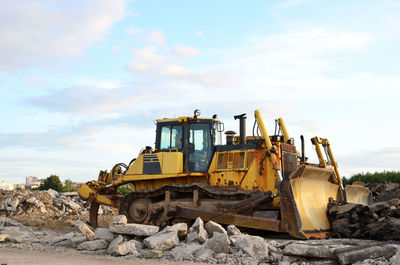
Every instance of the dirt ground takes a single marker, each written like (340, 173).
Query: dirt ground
(13, 256)
(66, 221)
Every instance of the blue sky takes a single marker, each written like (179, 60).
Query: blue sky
(82, 82)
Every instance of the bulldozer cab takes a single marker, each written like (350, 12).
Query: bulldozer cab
(195, 138)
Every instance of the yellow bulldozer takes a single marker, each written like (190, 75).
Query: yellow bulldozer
(257, 181)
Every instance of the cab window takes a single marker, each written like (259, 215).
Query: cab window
(200, 147)
(171, 137)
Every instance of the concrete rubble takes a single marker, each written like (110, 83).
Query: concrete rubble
(219, 247)
(379, 221)
(43, 208)
(200, 242)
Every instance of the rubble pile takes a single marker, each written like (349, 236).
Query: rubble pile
(379, 221)
(40, 208)
(202, 242)
(384, 191)
(210, 242)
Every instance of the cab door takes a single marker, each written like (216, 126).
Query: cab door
(200, 147)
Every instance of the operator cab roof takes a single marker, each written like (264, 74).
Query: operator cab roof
(185, 119)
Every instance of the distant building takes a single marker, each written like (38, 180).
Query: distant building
(32, 182)
(7, 186)
(19, 186)
(11, 186)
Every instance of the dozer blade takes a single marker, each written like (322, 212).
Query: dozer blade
(358, 194)
(304, 198)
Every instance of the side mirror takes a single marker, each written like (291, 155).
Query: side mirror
(220, 127)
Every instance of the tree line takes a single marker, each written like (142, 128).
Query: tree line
(54, 182)
(376, 177)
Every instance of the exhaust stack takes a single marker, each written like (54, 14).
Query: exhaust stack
(242, 120)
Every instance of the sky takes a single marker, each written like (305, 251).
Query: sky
(82, 82)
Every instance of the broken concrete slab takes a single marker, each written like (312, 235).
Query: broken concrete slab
(233, 230)
(219, 243)
(126, 248)
(63, 237)
(185, 251)
(387, 229)
(120, 220)
(354, 254)
(34, 201)
(138, 244)
(212, 227)
(76, 240)
(182, 229)
(73, 205)
(310, 251)
(151, 253)
(84, 229)
(93, 245)
(52, 193)
(3, 237)
(203, 254)
(70, 193)
(254, 246)
(197, 232)
(114, 244)
(134, 229)
(103, 233)
(162, 242)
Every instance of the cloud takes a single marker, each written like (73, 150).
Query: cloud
(86, 99)
(199, 33)
(174, 70)
(35, 33)
(184, 51)
(370, 160)
(312, 126)
(148, 55)
(133, 31)
(156, 37)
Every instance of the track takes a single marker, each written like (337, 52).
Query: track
(150, 207)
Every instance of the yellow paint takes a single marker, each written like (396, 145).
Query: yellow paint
(85, 192)
(248, 177)
(284, 130)
(171, 162)
(311, 196)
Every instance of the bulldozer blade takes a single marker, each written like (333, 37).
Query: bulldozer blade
(304, 198)
(358, 194)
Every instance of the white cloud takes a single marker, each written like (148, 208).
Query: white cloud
(370, 160)
(184, 51)
(174, 70)
(148, 55)
(199, 33)
(140, 67)
(38, 32)
(156, 37)
(133, 31)
(90, 100)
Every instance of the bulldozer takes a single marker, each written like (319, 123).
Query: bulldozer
(258, 181)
